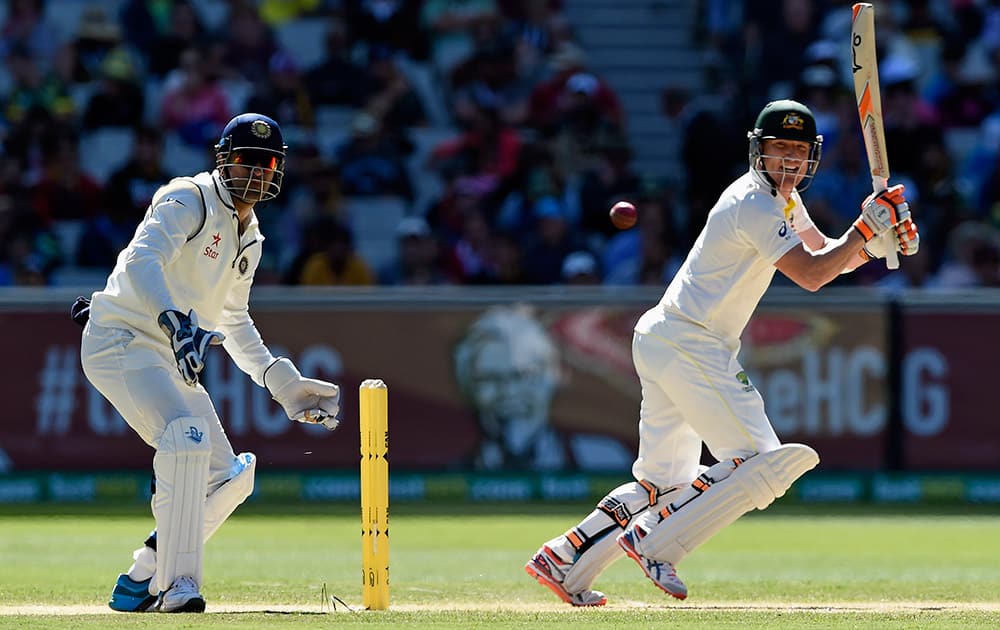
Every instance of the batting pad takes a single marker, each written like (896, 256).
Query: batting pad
(755, 483)
(592, 545)
(181, 469)
(221, 503)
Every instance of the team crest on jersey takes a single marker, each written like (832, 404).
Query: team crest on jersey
(260, 129)
(793, 120)
(244, 263)
(742, 377)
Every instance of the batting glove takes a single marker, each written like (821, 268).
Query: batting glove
(909, 237)
(188, 341)
(904, 237)
(303, 399)
(881, 212)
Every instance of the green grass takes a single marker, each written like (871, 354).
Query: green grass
(457, 567)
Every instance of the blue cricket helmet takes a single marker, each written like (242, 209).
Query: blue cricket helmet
(252, 141)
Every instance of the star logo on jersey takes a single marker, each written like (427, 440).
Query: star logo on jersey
(210, 250)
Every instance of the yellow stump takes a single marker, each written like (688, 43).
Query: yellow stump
(374, 397)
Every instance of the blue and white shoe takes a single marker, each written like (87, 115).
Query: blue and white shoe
(131, 596)
(661, 573)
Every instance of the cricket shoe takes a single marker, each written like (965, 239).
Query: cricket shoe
(546, 567)
(182, 596)
(131, 596)
(661, 573)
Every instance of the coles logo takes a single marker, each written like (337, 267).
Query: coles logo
(211, 250)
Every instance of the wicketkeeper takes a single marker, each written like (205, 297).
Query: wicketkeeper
(181, 286)
(694, 389)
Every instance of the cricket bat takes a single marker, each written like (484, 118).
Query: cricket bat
(864, 66)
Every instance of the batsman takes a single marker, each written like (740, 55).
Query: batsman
(694, 389)
(181, 286)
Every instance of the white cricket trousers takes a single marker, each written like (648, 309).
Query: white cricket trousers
(138, 377)
(693, 391)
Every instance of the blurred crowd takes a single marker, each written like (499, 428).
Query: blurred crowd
(472, 141)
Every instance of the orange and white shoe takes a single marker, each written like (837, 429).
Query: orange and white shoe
(546, 567)
(661, 573)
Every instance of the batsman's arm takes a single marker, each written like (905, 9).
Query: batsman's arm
(813, 270)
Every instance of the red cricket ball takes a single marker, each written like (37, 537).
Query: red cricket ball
(623, 215)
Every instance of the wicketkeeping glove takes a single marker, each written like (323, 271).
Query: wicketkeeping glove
(882, 211)
(303, 399)
(904, 237)
(188, 341)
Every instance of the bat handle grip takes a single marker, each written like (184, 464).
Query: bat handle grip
(879, 184)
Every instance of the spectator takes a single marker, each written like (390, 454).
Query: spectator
(556, 98)
(580, 268)
(911, 124)
(64, 191)
(538, 183)
(546, 247)
(388, 94)
(336, 79)
(394, 24)
(647, 253)
(371, 162)
(28, 251)
(33, 87)
(128, 192)
(418, 263)
(119, 100)
(337, 263)
(96, 36)
(582, 127)
(776, 43)
(488, 149)
(449, 25)
(193, 104)
(278, 12)
(974, 95)
(26, 27)
(610, 179)
(131, 187)
(250, 43)
(845, 168)
(184, 31)
(471, 258)
(284, 96)
(712, 149)
(22, 148)
(509, 259)
(536, 26)
(144, 22)
(973, 258)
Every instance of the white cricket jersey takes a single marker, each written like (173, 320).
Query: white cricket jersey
(187, 254)
(731, 264)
